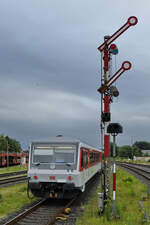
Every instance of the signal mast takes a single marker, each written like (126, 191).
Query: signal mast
(107, 91)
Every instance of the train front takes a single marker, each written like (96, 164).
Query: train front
(52, 169)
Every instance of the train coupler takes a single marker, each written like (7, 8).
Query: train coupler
(53, 195)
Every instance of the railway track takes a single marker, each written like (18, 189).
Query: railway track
(136, 164)
(13, 180)
(142, 170)
(45, 212)
(13, 174)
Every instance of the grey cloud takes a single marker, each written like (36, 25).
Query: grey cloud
(49, 62)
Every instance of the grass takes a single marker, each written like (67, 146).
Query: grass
(12, 169)
(129, 192)
(13, 198)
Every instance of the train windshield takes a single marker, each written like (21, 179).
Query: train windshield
(62, 156)
(59, 154)
(43, 155)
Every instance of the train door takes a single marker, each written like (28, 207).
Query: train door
(81, 166)
(84, 165)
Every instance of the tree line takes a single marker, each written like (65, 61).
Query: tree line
(127, 151)
(10, 144)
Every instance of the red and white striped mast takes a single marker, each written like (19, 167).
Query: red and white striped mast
(106, 95)
(106, 116)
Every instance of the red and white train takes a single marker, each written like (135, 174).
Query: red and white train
(60, 167)
(13, 158)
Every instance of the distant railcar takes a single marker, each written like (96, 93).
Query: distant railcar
(13, 158)
(61, 167)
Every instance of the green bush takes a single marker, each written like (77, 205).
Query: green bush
(128, 179)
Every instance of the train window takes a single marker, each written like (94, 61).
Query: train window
(97, 157)
(43, 155)
(54, 153)
(82, 159)
(86, 159)
(91, 157)
(43, 152)
(62, 156)
(94, 157)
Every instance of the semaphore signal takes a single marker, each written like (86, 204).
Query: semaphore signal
(107, 91)
(126, 65)
(130, 22)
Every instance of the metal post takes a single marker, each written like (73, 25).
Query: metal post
(114, 177)
(114, 129)
(106, 123)
(105, 92)
(106, 119)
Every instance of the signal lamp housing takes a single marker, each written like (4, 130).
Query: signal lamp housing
(105, 117)
(113, 49)
(114, 91)
(114, 128)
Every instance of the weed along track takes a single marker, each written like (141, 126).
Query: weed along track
(142, 170)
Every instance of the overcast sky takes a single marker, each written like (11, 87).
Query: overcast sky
(50, 68)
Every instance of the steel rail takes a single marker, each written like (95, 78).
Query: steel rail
(138, 171)
(13, 180)
(25, 213)
(51, 218)
(136, 164)
(13, 173)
